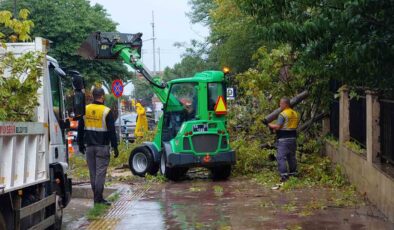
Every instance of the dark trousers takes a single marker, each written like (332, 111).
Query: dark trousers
(98, 159)
(286, 154)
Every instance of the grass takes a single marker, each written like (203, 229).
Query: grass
(355, 147)
(333, 141)
(315, 172)
(79, 169)
(114, 197)
(290, 207)
(159, 178)
(98, 210)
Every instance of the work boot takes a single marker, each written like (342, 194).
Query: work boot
(105, 202)
(283, 179)
(294, 174)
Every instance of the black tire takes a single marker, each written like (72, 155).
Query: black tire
(141, 162)
(2, 222)
(154, 169)
(174, 173)
(221, 172)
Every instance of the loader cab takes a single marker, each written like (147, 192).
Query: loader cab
(192, 99)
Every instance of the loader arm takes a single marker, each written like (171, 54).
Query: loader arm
(127, 47)
(132, 58)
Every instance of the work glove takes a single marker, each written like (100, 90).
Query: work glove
(82, 149)
(116, 152)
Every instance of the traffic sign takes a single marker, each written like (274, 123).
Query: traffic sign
(230, 93)
(117, 88)
(220, 107)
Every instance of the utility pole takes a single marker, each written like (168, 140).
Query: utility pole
(154, 43)
(158, 50)
(15, 15)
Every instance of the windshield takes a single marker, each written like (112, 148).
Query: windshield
(127, 118)
(184, 98)
(181, 106)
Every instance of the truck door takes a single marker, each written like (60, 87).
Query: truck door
(56, 113)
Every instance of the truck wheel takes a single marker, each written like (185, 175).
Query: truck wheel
(174, 173)
(221, 172)
(141, 162)
(2, 222)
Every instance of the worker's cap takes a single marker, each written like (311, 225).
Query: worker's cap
(98, 92)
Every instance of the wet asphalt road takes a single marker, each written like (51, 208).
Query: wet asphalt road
(235, 204)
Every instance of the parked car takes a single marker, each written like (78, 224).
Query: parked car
(151, 118)
(128, 123)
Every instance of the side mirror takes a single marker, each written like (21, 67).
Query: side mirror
(79, 104)
(59, 71)
(79, 94)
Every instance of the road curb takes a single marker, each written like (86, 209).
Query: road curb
(85, 191)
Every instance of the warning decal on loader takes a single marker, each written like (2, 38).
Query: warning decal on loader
(220, 107)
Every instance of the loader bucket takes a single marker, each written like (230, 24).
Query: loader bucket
(99, 45)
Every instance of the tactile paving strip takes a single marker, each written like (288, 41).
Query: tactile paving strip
(119, 209)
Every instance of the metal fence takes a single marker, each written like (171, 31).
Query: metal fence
(387, 129)
(334, 109)
(334, 119)
(357, 117)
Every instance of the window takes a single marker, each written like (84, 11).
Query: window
(214, 91)
(57, 101)
(181, 106)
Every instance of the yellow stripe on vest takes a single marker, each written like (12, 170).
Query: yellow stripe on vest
(95, 117)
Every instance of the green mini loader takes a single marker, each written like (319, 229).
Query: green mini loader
(192, 130)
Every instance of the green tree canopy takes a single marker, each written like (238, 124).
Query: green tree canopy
(67, 23)
(350, 40)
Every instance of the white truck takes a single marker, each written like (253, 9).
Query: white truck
(34, 187)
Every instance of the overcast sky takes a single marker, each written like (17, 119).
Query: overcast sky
(172, 25)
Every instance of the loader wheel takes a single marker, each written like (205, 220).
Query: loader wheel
(154, 169)
(221, 172)
(141, 162)
(174, 173)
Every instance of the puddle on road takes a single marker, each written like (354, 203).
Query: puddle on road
(234, 204)
(242, 204)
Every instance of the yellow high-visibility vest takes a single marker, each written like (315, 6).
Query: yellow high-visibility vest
(95, 117)
(291, 119)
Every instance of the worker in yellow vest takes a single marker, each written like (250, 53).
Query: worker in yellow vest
(142, 122)
(286, 133)
(97, 130)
